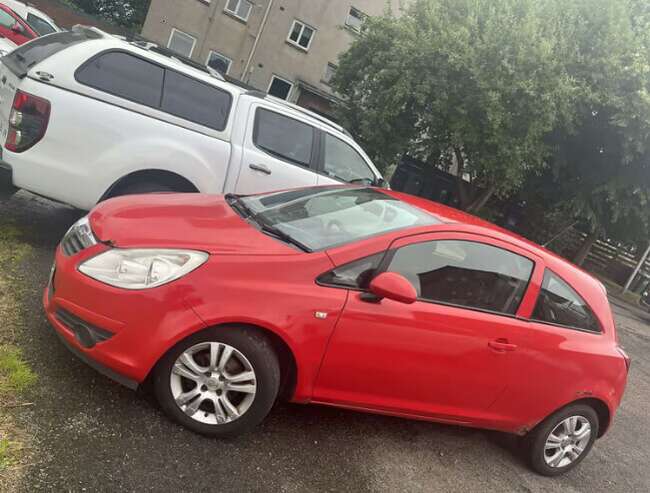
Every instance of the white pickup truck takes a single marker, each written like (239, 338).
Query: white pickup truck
(85, 116)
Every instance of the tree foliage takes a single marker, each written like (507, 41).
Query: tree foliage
(506, 92)
(129, 14)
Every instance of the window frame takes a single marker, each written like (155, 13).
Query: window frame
(363, 17)
(215, 52)
(171, 35)
(601, 330)
(155, 108)
(234, 12)
(297, 43)
(329, 65)
(315, 150)
(429, 236)
(291, 86)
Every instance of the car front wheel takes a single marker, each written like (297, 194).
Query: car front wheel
(221, 382)
(563, 440)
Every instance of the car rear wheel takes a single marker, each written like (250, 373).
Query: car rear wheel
(563, 440)
(221, 382)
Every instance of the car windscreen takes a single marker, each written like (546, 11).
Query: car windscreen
(323, 217)
(26, 56)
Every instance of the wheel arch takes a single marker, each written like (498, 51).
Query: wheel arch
(173, 180)
(286, 357)
(598, 405)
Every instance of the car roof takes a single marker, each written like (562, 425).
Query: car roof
(475, 224)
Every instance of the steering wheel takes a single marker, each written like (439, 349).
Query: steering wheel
(336, 227)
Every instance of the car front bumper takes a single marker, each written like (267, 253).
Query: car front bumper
(120, 333)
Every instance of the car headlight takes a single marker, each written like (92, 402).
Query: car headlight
(141, 268)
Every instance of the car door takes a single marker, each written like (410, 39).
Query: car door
(280, 152)
(13, 28)
(450, 354)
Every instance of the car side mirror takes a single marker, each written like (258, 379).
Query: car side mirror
(393, 286)
(18, 28)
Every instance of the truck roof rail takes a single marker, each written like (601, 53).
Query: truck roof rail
(166, 52)
(300, 109)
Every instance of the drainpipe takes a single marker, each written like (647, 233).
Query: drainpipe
(257, 40)
(206, 33)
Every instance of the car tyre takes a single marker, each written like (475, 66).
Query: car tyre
(545, 455)
(251, 347)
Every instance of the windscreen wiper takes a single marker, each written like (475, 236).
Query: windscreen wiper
(282, 236)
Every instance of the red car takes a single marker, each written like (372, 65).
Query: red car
(355, 297)
(14, 28)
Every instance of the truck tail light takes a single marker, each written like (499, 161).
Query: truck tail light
(27, 122)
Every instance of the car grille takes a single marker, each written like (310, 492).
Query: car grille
(87, 334)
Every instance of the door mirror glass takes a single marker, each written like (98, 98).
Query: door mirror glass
(393, 286)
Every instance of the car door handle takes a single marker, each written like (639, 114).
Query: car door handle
(502, 345)
(260, 167)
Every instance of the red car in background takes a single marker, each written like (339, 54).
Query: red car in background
(355, 297)
(14, 28)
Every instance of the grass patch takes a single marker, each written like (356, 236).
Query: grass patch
(15, 375)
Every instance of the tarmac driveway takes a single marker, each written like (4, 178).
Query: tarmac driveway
(93, 435)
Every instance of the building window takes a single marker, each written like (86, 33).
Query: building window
(182, 43)
(239, 8)
(218, 62)
(355, 20)
(280, 88)
(330, 70)
(301, 35)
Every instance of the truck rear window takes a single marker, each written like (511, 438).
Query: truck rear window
(26, 56)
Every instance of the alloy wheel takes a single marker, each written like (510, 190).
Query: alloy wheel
(567, 441)
(213, 383)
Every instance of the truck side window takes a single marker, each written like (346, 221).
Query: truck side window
(343, 163)
(125, 76)
(195, 101)
(283, 137)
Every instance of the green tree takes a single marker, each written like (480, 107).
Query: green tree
(129, 14)
(475, 85)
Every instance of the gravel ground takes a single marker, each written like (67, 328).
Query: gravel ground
(93, 435)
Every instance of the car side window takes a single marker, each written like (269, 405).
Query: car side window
(41, 26)
(126, 76)
(343, 163)
(356, 275)
(195, 101)
(283, 137)
(465, 273)
(559, 304)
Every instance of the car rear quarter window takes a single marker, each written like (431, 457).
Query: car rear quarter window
(28, 55)
(124, 75)
(283, 137)
(465, 273)
(195, 101)
(559, 304)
